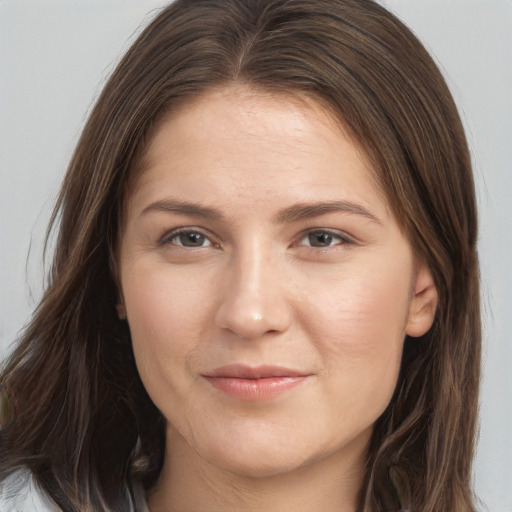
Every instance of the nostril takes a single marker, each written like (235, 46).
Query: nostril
(250, 320)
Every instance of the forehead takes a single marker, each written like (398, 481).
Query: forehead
(253, 111)
(255, 143)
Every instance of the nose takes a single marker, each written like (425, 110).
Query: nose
(254, 301)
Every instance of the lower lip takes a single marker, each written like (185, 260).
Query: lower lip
(255, 390)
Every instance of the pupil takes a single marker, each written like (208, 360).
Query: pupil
(192, 239)
(320, 239)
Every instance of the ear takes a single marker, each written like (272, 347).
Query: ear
(422, 308)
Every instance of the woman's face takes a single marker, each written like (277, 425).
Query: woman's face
(266, 283)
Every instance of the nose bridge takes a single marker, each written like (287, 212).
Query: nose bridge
(254, 301)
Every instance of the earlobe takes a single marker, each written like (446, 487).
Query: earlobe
(422, 308)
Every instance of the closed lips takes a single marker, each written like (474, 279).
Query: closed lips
(255, 383)
(255, 372)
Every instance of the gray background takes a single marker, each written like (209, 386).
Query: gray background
(56, 54)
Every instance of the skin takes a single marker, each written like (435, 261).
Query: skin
(328, 291)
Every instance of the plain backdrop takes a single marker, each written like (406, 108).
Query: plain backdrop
(56, 54)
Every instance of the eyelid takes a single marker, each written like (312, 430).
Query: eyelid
(170, 234)
(342, 235)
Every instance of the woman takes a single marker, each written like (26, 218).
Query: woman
(265, 288)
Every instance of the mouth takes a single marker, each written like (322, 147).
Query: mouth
(255, 384)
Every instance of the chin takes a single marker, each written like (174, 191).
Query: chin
(256, 466)
(253, 459)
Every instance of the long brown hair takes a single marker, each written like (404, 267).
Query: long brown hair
(82, 422)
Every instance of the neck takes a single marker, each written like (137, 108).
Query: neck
(190, 483)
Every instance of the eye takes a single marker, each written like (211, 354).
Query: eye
(321, 238)
(186, 238)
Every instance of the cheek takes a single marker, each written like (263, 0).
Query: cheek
(158, 302)
(358, 313)
(164, 312)
(360, 330)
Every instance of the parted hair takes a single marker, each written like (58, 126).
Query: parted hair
(77, 414)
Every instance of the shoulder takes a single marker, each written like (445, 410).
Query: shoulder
(20, 493)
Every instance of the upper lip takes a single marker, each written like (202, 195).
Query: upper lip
(240, 371)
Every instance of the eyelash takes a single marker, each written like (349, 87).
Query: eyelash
(168, 237)
(343, 238)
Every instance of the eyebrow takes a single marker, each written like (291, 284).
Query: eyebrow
(294, 213)
(302, 211)
(185, 208)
